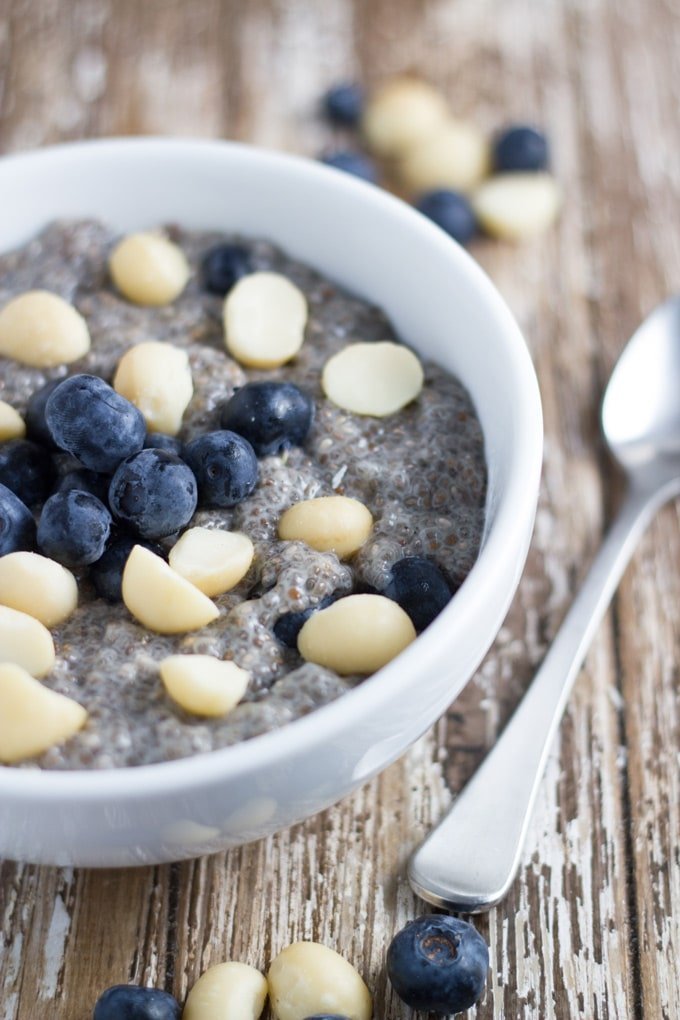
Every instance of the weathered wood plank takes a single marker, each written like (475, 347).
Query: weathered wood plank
(590, 927)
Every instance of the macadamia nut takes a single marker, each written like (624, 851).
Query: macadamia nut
(401, 114)
(308, 978)
(160, 599)
(203, 684)
(38, 586)
(156, 378)
(41, 329)
(357, 634)
(25, 641)
(212, 559)
(375, 379)
(12, 425)
(455, 156)
(32, 717)
(515, 206)
(228, 991)
(264, 320)
(148, 269)
(328, 524)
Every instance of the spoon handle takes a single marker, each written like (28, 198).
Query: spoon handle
(469, 861)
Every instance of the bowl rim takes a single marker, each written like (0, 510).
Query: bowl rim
(513, 513)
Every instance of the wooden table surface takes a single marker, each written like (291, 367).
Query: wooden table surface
(591, 927)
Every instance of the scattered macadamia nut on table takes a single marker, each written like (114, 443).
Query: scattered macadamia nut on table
(155, 376)
(212, 559)
(148, 269)
(401, 114)
(227, 991)
(264, 320)
(515, 206)
(203, 684)
(374, 379)
(336, 524)
(307, 978)
(38, 586)
(357, 634)
(12, 425)
(26, 642)
(160, 599)
(33, 718)
(40, 329)
(455, 156)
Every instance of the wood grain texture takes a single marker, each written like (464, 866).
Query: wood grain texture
(590, 928)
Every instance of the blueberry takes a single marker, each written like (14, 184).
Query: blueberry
(154, 493)
(107, 573)
(17, 527)
(159, 441)
(344, 104)
(130, 1002)
(88, 419)
(223, 266)
(352, 163)
(36, 426)
(420, 588)
(85, 481)
(288, 626)
(271, 415)
(225, 466)
(520, 147)
(451, 211)
(27, 470)
(438, 964)
(74, 528)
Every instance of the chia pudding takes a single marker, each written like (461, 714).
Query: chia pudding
(421, 472)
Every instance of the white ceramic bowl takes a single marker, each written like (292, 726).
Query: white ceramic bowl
(440, 302)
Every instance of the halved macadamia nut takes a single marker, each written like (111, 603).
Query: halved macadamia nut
(328, 524)
(203, 684)
(156, 378)
(211, 558)
(515, 206)
(401, 114)
(357, 634)
(455, 156)
(39, 328)
(32, 717)
(38, 586)
(374, 379)
(12, 425)
(308, 978)
(160, 599)
(228, 991)
(25, 641)
(264, 320)
(148, 269)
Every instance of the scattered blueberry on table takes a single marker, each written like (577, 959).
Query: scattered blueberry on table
(451, 211)
(420, 588)
(225, 467)
(438, 963)
(74, 528)
(223, 266)
(88, 419)
(344, 104)
(520, 148)
(154, 492)
(131, 1002)
(26, 468)
(17, 527)
(354, 163)
(272, 416)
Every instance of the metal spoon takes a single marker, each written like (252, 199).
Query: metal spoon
(469, 861)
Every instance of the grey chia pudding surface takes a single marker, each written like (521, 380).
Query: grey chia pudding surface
(421, 472)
